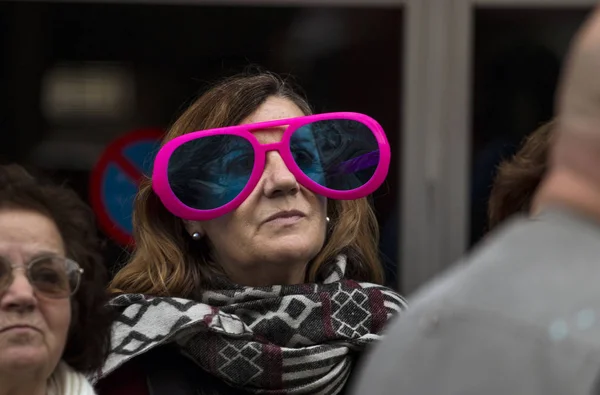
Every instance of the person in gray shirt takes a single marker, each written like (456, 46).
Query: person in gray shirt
(521, 314)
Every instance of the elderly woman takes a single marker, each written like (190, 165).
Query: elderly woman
(54, 323)
(256, 264)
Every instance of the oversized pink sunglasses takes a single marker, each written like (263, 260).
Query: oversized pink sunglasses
(205, 174)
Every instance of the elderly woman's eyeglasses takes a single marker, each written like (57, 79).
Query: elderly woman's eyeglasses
(51, 276)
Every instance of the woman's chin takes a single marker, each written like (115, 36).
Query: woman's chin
(292, 248)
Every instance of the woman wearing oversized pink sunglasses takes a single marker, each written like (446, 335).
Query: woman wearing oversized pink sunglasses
(256, 266)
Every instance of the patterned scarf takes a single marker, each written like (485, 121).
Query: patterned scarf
(293, 339)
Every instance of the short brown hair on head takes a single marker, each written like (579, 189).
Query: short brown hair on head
(167, 263)
(88, 341)
(518, 178)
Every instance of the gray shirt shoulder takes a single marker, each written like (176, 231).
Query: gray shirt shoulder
(520, 315)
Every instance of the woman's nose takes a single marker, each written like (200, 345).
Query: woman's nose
(278, 179)
(19, 295)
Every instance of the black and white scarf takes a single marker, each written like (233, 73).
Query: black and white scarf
(292, 339)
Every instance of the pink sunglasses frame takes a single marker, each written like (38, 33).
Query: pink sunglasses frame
(160, 179)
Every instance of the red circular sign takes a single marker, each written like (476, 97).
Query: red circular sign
(115, 178)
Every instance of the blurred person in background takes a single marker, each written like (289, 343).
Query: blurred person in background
(256, 266)
(515, 92)
(521, 315)
(54, 322)
(519, 177)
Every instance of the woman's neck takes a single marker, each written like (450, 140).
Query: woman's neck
(22, 386)
(266, 276)
(25, 389)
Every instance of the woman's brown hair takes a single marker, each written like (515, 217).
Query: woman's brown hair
(167, 262)
(519, 177)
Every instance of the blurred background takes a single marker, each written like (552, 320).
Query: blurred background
(85, 85)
